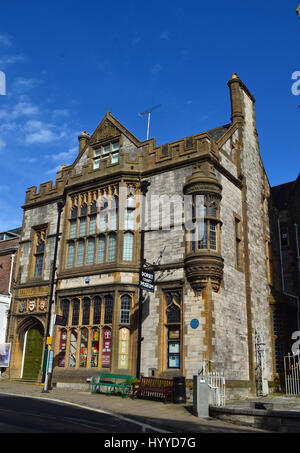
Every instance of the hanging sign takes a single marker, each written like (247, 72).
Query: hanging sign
(60, 320)
(147, 280)
(106, 348)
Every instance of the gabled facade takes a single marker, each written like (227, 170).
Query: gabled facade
(213, 291)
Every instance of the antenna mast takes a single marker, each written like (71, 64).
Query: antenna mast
(148, 112)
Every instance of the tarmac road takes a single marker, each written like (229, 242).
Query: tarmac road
(28, 415)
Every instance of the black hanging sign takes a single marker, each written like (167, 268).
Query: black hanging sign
(147, 280)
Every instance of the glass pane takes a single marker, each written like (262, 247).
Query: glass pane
(83, 210)
(94, 208)
(173, 314)
(65, 309)
(71, 251)
(96, 163)
(72, 229)
(213, 235)
(82, 227)
(86, 311)
(128, 247)
(105, 151)
(74, 212)
(112, 245)
(212, 211)
(101, 249)
(80, 253)
(115, 146)
(103, 222)
(113, 220)
(73, 348)
(83, 348)
(97, 310)
(90, 251)
(93, 223)
(97, 152)
(108, 309)
(202, 235)
(38, 265)
(95, 337)
(129, 220)
(75, 312)
(114, 158)
(125, 310)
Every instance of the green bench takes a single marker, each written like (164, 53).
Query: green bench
(112, 382)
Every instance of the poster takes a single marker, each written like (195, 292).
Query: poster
(106, 348)
(4, 354)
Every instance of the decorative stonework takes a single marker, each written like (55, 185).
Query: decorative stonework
(204, 266)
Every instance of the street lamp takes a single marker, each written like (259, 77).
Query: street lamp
(50, 320)
(144, 190)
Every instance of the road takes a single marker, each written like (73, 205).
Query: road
(28, 415)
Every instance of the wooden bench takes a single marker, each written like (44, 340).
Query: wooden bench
(149, 386)
(112, 381)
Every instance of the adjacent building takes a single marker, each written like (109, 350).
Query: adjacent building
(9, 241)
(208, 236)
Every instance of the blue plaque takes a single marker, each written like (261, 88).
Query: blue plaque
(194, 323)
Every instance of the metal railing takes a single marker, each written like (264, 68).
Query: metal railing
(292, 374)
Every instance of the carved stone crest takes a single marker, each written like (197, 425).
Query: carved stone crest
(32, 305)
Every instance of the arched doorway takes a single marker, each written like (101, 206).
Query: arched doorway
(33, 350)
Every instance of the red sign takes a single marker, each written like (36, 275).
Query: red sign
(62, 348)
(106, 348)
(60, 320)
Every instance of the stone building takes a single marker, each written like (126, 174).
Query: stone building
(286, 287)
(213, 289)
(9, 241)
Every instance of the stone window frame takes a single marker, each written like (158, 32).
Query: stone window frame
(35, 230)
(98, 153)
(88, 200)
(208, 220)
(113, 325)
(167, 326)
(238, 242)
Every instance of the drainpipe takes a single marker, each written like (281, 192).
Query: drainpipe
(297, 244)
(282, 275)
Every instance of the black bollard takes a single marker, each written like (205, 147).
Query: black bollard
(179, 390)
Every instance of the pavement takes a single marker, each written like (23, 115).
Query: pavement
(172, 418)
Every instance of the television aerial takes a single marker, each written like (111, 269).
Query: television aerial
(148, 112)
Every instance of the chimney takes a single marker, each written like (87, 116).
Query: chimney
(83, 139)
(236, 98)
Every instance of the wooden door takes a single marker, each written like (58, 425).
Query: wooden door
(33, 353)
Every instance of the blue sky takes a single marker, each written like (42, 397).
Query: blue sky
(66, 63)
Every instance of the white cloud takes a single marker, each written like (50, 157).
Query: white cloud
(5, 41)
(38, 132)
(53, 170)
(2, 144)
(64, 155)
(22, 84)
(24, 109)
(11, 59)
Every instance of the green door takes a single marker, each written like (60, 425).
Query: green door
(33, 353)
